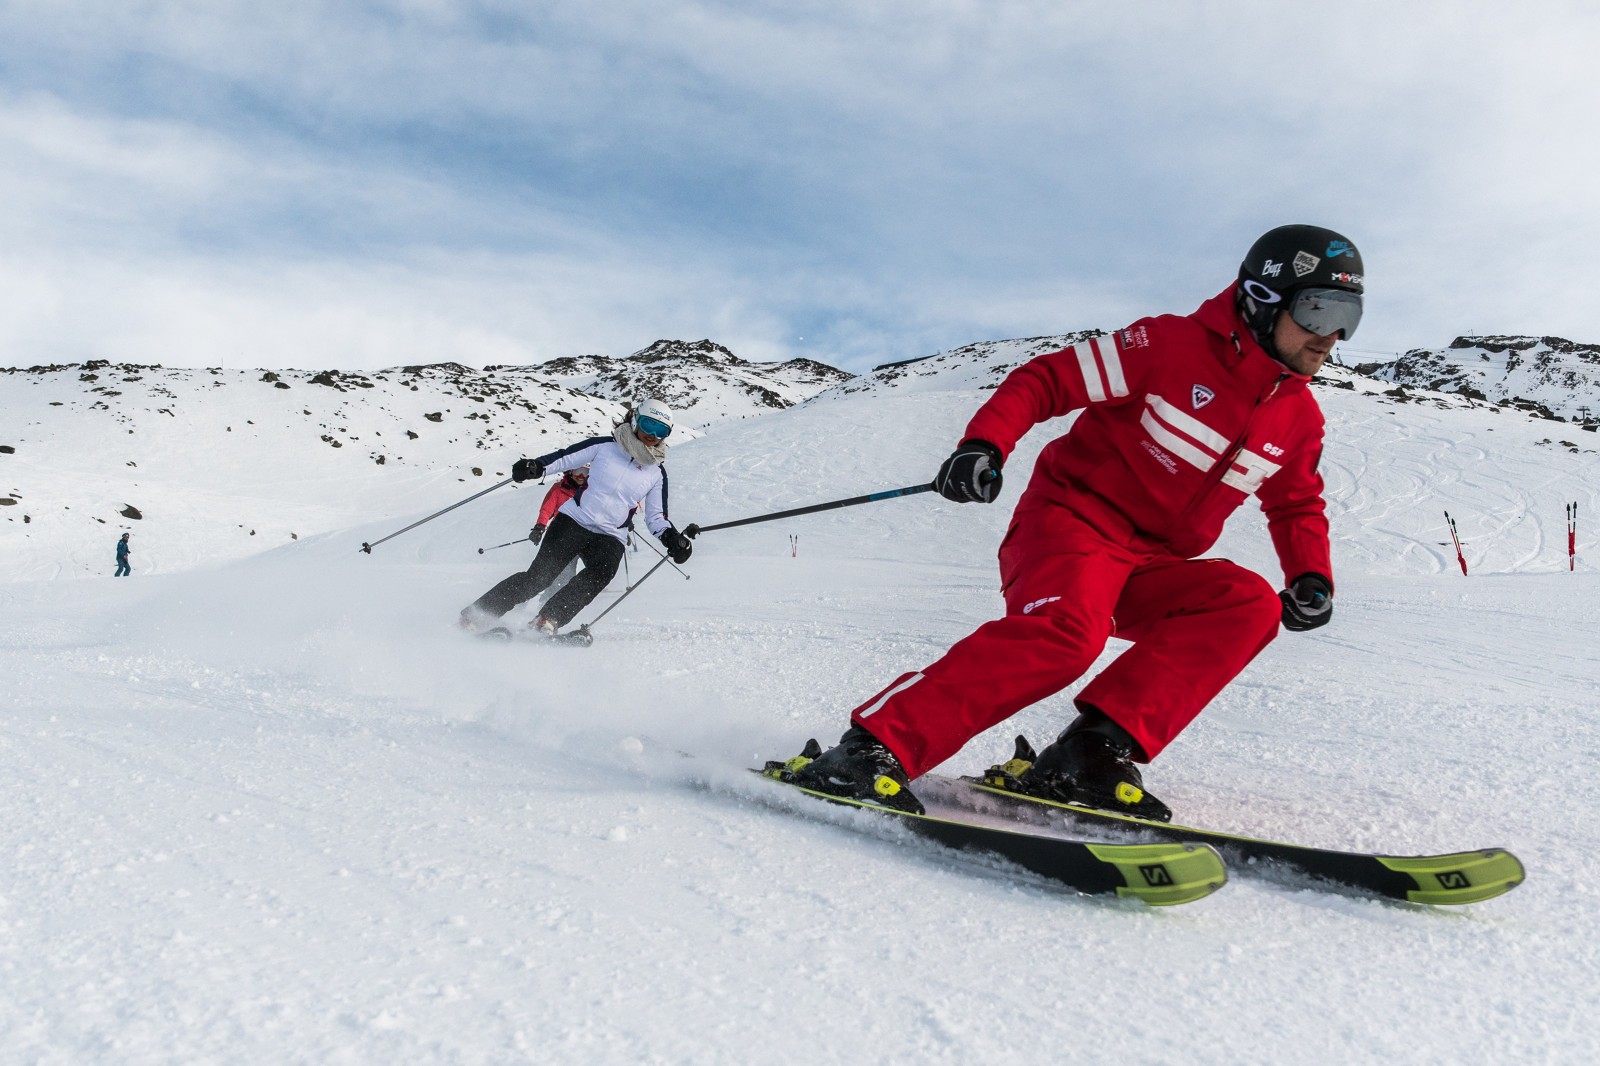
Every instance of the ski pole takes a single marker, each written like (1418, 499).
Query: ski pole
(368, 547)
(663, 555)
(693, 530)
(1462, 559)
(625, 594)
(507, 544)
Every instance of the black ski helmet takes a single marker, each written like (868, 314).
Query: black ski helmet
(1284, 261)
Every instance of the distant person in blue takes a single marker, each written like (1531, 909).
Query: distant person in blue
(123, 569)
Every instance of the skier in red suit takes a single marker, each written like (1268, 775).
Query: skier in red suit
(571, 484)
(1183, 419)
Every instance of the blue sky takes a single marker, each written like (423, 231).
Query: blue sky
(373, 184)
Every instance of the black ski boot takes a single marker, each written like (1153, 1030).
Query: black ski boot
(1091, 764)
(858, 768)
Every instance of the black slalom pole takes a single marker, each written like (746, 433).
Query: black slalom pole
(888, 494)
(368, 547)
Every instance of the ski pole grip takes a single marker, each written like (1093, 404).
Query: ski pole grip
(692, 530)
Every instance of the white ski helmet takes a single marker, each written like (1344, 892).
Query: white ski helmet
(653, 418)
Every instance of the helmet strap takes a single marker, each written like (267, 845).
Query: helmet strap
(1261, 319)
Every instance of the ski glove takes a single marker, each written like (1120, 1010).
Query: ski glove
(971, 474)
(536, 534)
(1307, 603)
(677, 545)
(527, 470)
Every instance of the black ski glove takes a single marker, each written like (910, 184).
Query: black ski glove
(971, 474)
(677, 545)
(527, 470)
(1307, 603)
(536, 534)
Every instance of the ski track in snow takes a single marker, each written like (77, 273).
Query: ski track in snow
(281, 811)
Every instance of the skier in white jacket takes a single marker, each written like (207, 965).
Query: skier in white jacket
(625, 469)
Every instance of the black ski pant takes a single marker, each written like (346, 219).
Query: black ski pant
(563, 542)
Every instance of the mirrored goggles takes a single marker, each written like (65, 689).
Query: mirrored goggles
(654, 427)
(1327, 311)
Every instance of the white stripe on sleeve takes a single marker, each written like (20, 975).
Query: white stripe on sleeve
(1112, 364)
(1091, 371)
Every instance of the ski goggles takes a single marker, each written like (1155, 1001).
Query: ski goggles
(1327, 311)
(652, 427)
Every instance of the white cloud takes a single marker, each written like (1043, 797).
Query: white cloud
(568, 177)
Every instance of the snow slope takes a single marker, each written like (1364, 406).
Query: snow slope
(278, 810)
(983, 365)
(217, 464)
(221, 464)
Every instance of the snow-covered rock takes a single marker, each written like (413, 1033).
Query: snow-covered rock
(1548, 376)
(701, 380)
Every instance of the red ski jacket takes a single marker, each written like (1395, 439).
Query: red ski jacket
(1183, 418)
(559, 493)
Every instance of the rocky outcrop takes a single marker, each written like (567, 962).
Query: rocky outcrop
(1548, 376)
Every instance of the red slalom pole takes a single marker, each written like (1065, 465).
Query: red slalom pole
(1462, 559)
(1572, 536)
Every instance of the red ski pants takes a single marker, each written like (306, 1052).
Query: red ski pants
(1194, 624)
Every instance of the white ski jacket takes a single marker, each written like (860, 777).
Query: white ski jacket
(617, 484)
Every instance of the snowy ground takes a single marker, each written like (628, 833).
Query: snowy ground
(280, 811)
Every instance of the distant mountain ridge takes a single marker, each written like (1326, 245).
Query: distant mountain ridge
(700, 380)
(1549, 376)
